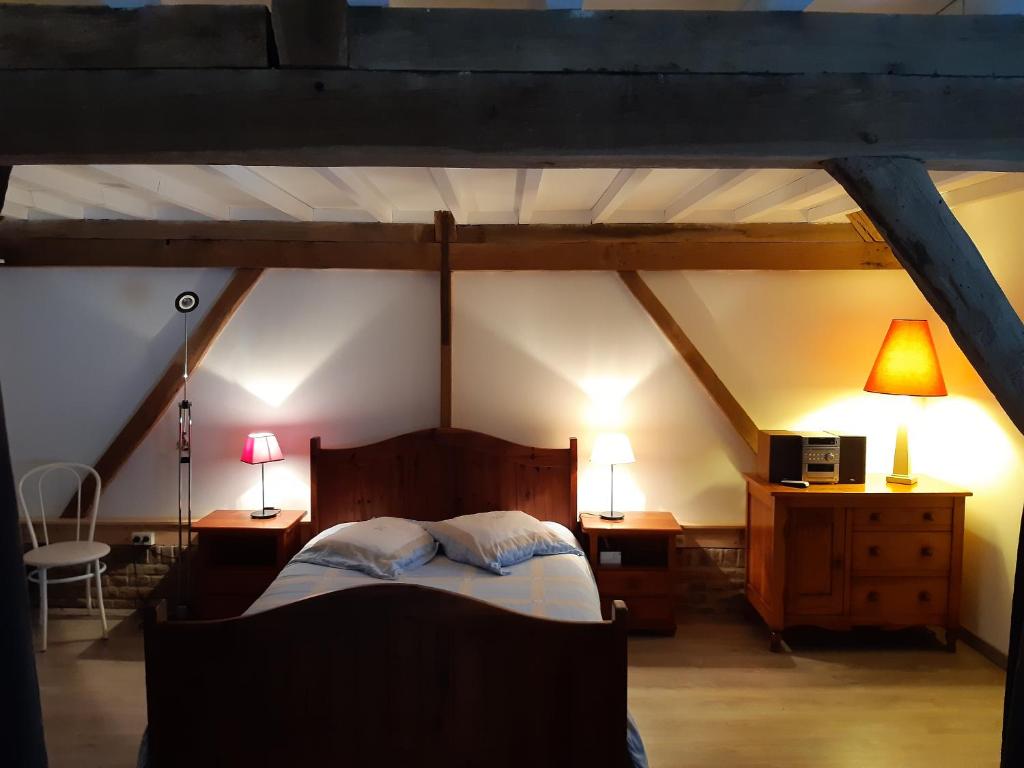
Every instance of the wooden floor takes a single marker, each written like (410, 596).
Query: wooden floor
(712, 697)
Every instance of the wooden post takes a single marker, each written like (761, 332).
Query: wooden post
(23, 742)
(444, 224)
(900, 199)
(5, 178)
(169, 384)
(705, 374)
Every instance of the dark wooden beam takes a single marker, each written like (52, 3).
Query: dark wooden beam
(669, 42)
(311, 33)
(496, 119)
(79, 37)
(5, 179)
(444, 227)
(412, 247)
(24, 742)
(902, 202)
(284, 254)
(705, 374)
(166, 389)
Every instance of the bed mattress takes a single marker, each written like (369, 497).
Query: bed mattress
(558, 587)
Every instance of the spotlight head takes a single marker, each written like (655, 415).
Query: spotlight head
(186, 302)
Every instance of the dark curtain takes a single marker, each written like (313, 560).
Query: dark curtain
(1013, 707)
(22, 744)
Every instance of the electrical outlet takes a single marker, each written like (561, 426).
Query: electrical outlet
(143, 538)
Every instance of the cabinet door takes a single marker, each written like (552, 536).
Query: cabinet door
(815, 560)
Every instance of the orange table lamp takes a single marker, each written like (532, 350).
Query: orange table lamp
(906, 365)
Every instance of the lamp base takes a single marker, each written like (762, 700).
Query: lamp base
(264, 514)
(617, 516)
(901, 479)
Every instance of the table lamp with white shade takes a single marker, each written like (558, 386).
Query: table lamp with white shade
(906, 365)
(612, 448)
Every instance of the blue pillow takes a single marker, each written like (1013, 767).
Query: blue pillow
(383, 547)
(495, 540)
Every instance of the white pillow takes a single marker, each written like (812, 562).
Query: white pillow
(383, 547)
(494, 540)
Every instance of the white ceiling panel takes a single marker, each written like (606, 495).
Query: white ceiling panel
(308, 185)
(408, 189)
(476, 196)
(572, 189)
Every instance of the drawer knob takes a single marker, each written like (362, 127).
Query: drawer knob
(924, 597)
(873, 596)
(874, 551)
(927, 551)
(929, 517)
(874, 517)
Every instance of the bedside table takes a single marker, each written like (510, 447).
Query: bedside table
(238, 557)
(647, 542)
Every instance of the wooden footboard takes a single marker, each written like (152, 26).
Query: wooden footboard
(388, 676)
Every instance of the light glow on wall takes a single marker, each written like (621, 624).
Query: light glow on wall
(607, 408)
(285, 489)
(953, 438)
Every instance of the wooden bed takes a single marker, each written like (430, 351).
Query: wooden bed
(399, 675)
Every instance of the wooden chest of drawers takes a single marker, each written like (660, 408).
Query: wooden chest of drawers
(840, 556)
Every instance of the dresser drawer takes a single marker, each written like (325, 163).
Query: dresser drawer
(914, 518)
(653, 614)
(899, 600)
(633, 581)
(911, 551)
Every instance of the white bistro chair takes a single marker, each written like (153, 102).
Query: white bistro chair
(80, 552)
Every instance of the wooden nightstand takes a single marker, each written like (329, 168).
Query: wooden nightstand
(238, 557)
(647, 542)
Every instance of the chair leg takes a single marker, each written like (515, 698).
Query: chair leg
(88, 588)
(42, 605)
(99, 599)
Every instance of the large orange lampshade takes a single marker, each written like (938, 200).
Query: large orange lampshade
(907, 363)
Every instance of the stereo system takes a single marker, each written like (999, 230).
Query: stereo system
(813, 457)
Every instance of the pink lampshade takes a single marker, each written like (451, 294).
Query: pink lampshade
(261, 448)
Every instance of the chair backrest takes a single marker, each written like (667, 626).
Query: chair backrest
(37, 480)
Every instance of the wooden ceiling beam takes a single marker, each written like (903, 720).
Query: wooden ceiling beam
(497, 119)
(540, 256)
(322, 245)
(50, 37)
(166, 389)
(442, 88)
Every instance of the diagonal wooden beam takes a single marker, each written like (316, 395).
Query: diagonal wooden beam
(163, 393)
(444, 227)
(865, 228)
(940, 257)
(705, 374)
(5, 179)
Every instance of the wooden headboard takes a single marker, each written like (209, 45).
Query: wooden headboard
(440, 473)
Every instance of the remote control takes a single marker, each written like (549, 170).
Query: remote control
(795, 483)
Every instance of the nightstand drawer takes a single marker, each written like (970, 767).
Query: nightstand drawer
(922, 518)
(633, 581)
(897, 600)
(911, 551)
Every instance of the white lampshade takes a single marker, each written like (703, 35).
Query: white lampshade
(612, 448)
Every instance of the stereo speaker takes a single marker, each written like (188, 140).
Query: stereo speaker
(853, 454)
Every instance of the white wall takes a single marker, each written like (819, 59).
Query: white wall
(538, 358)
(350, 356)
